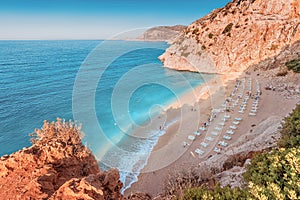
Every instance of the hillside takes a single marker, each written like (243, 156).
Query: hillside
(162, 33)
(232, 38)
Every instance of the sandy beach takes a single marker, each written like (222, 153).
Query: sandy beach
(169, 155)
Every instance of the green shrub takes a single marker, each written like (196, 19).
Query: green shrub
(196, 31)
(225, 193)
(290, 132)
(275, 175)
(294, 65)
(227, 28)
(186, 54)
(210, 35)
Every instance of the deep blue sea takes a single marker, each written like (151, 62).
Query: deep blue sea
(111, 87)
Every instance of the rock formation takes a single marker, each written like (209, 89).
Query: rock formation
(232, 38)
(162, 33)
(56, 166)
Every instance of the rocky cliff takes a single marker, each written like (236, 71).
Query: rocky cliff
(232, 38)
(56, 166)
(162, 33)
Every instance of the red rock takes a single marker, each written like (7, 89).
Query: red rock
(56, 166)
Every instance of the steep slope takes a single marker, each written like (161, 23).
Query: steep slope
(57, 165)
(162, 33)
(241, 34)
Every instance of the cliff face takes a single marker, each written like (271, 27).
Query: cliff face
(162, 33)
(241, 34)
(56, 166)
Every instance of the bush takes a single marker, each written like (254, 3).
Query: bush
(210, 35)
(275, 175)
(282, 73)
(294, 65)
(290, 132)
(178, 182)
(196, 31)
(61, 130)
(225, 193)
(227, 28)
(186, 54)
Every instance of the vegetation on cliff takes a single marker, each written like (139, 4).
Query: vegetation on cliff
(271, 175)
(294, 65)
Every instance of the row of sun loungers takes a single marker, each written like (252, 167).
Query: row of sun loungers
(256, 101)
(231, 102)
(236, 121)
(221, 124)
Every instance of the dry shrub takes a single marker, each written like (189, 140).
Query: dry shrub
(177, 182)
(68, 132)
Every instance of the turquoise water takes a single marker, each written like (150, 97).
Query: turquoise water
(111, 87)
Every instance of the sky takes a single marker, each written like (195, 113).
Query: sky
(95, 19)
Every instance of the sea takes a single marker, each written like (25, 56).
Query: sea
(112, 88)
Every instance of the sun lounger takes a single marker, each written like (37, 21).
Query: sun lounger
(191, 137)
(222, 143)
(227, 116)
(218, 128)
(204, 144)
(233, 127)
(224, 120)
(214, 133)
(241, 111)
(197, 133)
(202, 128)
(217, 150)
(222, 124)
(209, 139)
(238, 119)
(230, 132)
(226, 137)
(253, 111)
(236, 123)
(199, 152)
(252, 114)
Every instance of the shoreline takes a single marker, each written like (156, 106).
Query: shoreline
(194, 104)
(169, 120)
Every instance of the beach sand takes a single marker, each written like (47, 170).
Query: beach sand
(170, 156)
(191, 111)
